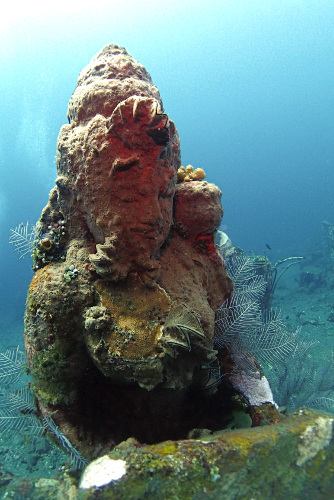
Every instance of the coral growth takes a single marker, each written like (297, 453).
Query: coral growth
(188, 173)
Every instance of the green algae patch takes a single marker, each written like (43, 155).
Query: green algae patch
(48, 382)
(169, 449)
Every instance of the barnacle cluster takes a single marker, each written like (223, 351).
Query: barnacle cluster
(48, 247)
(188, 173)
(70, 273)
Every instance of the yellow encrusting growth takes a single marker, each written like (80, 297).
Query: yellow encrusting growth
(168, 449)
(135, 311)
(188, 173)
(40, 275)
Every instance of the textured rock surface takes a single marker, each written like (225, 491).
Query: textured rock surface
(293, 459)
(120, 311)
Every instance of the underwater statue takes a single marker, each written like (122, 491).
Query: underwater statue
(120, 312)
(144, 357)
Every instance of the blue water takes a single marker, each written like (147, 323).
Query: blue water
(249, 84)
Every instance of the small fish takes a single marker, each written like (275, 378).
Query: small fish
(268, 246)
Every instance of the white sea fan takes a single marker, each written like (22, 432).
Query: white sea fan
(23, 238)
(251, 334)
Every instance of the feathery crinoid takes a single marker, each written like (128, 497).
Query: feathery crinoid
(23, 238)
(77, 460)
(305, 378)
(181, 326)
(12, 362)
(250, 275)
(17, 409)
(272, 343)
(18, 412)
(250, 332)
(322, 401)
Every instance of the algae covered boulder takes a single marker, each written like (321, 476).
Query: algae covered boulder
(292, 459)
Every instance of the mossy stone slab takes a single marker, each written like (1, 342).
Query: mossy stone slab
(292, 459)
